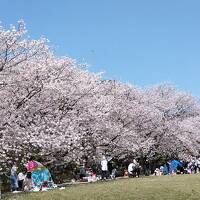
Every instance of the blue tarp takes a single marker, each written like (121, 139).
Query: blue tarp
(165, 170)
(174, 164)
(172, 167)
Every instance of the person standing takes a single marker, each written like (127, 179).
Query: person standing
(104, 168)
(14, 178)
(137, 168)
(110, 166)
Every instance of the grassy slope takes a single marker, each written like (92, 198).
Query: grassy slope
(182, 187)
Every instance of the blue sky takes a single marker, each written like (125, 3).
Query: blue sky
(143, 42)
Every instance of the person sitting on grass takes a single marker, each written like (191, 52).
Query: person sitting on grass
(44, 186)
(157, 172)
(134, 169)
(113, 174)
(28, 184)
(130, 169)
(82, 172)
(21, 177)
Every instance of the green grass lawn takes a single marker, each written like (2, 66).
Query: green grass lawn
(182, 187)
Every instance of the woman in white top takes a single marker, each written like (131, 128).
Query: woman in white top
(21, 178)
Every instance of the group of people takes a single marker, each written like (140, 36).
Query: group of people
(171, 167)
(34, 177)
(194, 165)
(132, 171)
(108, 171)
(90, 175)
(179, 167)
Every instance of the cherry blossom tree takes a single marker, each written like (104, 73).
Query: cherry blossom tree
(55, 109)
(175, 108)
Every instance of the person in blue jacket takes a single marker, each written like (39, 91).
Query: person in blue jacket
(14, 178)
